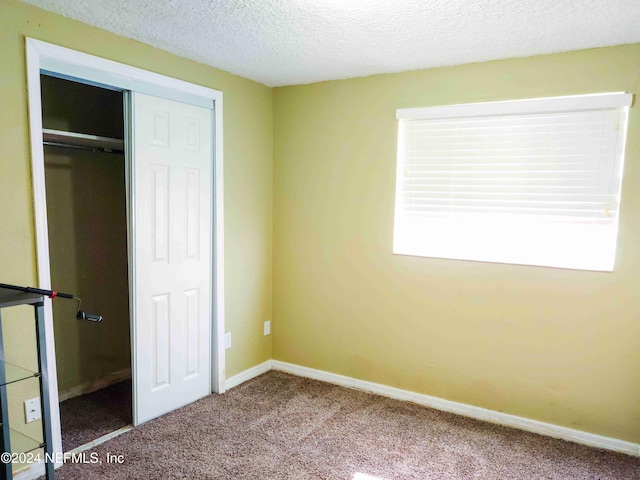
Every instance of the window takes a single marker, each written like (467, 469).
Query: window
(533, 182)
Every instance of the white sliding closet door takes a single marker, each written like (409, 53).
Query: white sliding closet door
(172, 159)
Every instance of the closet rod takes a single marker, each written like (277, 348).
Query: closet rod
(83, 147)
(61, 138)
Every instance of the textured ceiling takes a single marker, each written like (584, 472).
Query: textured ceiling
(286, 42)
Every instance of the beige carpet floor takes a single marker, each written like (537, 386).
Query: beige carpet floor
(95, 414)
(279, 426)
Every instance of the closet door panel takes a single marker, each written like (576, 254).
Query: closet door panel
(172, 160)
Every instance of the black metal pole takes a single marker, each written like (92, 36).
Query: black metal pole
(5, 441)
(37, 291)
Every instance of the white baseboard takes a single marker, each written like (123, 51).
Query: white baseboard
(514, 421)
(95, 385)
(247, 375)
(479, 413)
(98, 441)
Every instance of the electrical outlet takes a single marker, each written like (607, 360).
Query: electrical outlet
(227, 340)
(32, 410)
(267, 327)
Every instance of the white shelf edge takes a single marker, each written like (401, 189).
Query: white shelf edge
(81, 139)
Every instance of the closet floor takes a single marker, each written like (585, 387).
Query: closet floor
(93, 415)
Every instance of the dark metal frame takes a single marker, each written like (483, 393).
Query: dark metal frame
(11, 298)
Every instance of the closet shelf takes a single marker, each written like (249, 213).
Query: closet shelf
(60, 138)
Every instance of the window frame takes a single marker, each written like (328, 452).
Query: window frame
(544, 256)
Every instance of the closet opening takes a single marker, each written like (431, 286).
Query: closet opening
(86, 196)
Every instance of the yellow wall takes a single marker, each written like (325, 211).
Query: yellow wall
(86, 213)
(554, 345)
(247, 176)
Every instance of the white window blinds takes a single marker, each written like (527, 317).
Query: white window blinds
(532, 182)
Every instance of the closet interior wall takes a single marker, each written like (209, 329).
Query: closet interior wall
(86, 212)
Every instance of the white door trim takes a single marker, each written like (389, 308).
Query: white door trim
(121, 76)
